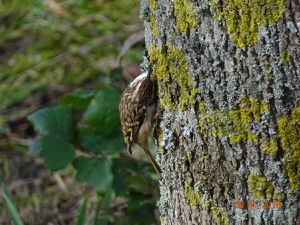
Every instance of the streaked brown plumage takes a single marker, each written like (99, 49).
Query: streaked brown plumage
(137, 110)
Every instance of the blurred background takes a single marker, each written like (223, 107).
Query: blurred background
(63, 66)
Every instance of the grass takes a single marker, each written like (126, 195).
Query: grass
(39, 196)
(60, 42)
(11, 207)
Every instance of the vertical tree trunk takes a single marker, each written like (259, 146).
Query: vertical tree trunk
(229, 132)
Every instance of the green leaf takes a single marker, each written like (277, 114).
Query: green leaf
(36, 147)
(106, 198)
(137, 166)
(119, 183)
(103, 113)
(78, 99)
(137, 183)
(136, 200)
(97, 172)
(134, 175)
(81, 218)
(56, 151)
(56, 120)
(11, 208)
(95, 143)
(142, 216)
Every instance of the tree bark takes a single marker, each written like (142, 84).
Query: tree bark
(228, 134)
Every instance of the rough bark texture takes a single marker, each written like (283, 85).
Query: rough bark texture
(229, 130)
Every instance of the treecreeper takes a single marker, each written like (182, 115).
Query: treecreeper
(137, 109)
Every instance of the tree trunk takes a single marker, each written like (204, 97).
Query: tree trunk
(228, 133)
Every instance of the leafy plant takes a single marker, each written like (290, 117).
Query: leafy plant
(83, 131)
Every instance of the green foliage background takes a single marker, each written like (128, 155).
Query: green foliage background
(60, 85)
(66, 42)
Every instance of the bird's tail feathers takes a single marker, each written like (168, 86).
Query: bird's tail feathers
(128, 148)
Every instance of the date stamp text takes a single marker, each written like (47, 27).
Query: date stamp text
(258, 204)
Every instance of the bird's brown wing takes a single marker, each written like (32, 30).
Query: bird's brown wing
(133, 108)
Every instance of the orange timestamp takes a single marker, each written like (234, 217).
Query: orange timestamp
(258, 204)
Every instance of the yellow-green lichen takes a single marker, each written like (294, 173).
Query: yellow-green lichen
(269, 76)
(162, 219)
(191, 195)
(285, 57)
(209, 124)
(172, 64)
(260, 187)
(278, 196)
(195, 198)
(153, 25)
(153, 7)
(185, 15)
(267, 68)
(232, 123)
(243, 18)
(270, 147)
(219, 215)
(289, 133)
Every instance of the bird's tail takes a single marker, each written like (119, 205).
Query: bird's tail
(152, 160)
(128, 148)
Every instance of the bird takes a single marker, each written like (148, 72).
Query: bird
(137, 108)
